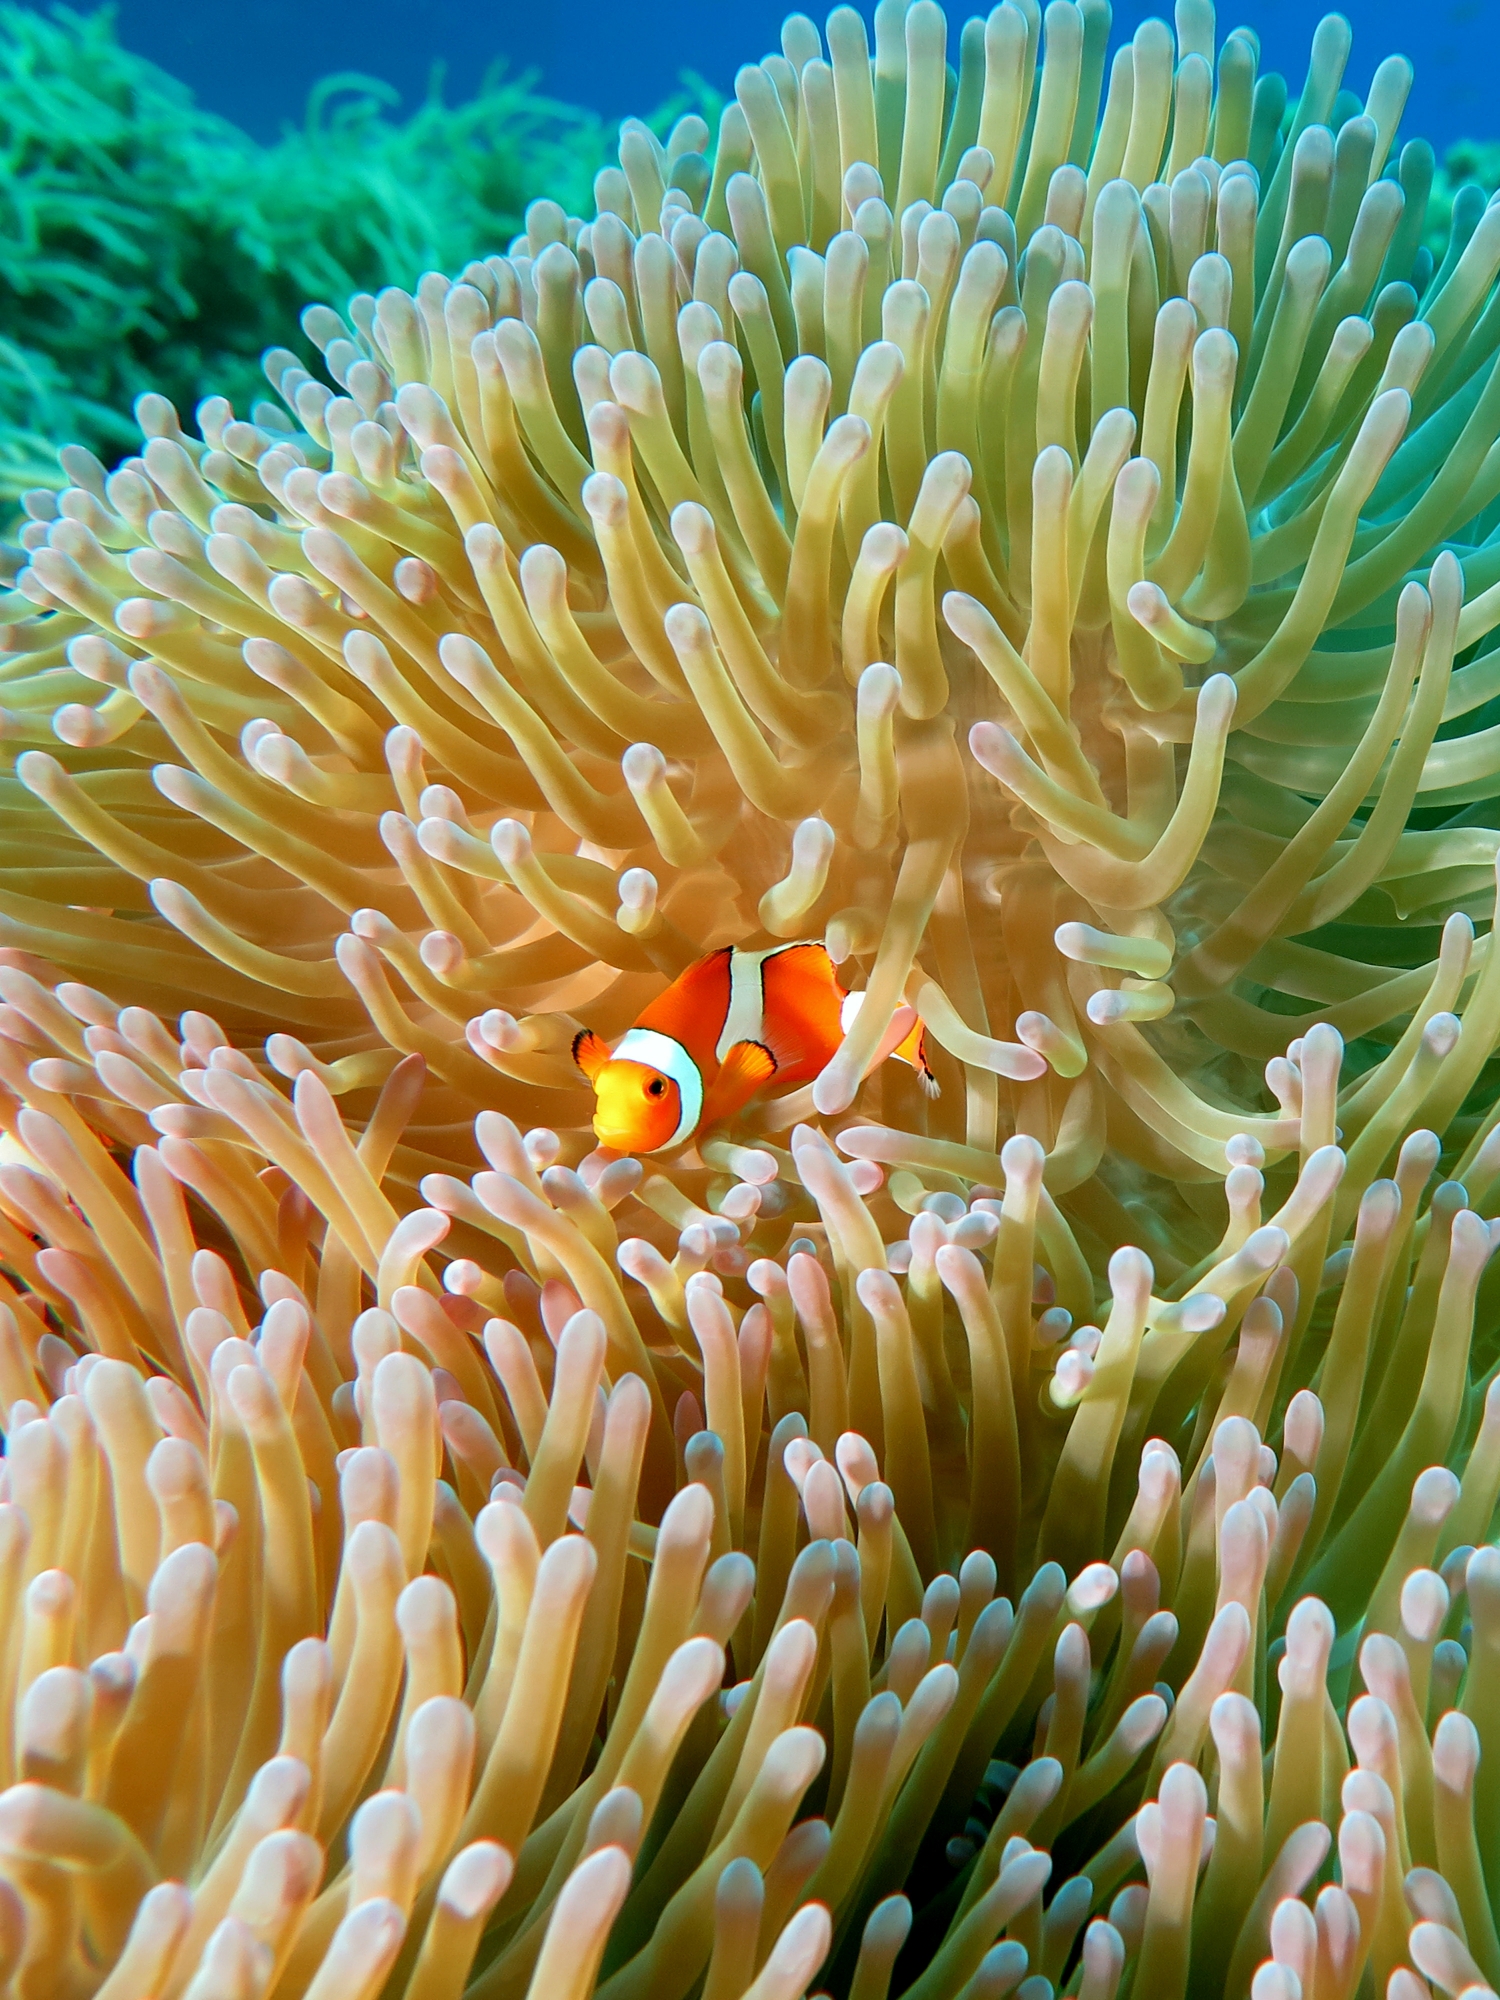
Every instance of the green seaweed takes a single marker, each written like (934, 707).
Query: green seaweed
(1471, 162)
(148, 243)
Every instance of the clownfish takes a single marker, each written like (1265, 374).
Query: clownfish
(724, 1029)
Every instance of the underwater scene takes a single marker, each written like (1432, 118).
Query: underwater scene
(749, 1005)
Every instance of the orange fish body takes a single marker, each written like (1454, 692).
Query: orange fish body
(723, 1030)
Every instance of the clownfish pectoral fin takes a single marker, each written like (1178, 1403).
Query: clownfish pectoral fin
(912, 1048)
(590, 1052)
(745, 1068)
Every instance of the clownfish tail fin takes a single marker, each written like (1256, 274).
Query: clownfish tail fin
(912, 1048)
(929, 1083)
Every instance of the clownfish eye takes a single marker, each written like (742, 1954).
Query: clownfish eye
(657, 1087)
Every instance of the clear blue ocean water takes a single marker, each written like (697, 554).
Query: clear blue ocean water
(254, 60)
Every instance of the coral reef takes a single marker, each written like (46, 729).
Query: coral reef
(1032, 529)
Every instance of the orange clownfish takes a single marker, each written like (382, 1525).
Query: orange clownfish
(724, 1029)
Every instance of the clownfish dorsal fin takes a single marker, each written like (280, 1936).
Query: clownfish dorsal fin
(745, 1068)
(590, 1052)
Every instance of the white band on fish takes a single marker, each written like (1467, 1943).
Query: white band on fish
(660, 1052)
(901, 1024)
(744, 1020)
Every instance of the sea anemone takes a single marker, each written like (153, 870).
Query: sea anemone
(1034, 1539)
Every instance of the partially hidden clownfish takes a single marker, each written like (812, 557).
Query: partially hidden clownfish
(733, 1023)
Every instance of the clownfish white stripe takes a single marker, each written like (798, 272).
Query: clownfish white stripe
(661, 1052)
(746, 1015)
(901, 1024)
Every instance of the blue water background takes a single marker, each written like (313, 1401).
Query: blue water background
(254, 60)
